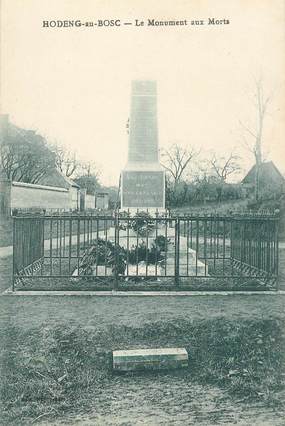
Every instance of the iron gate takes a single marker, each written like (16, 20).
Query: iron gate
(123, 251)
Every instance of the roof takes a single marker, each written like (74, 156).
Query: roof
(54, 178)
(69, 181)
(57, 178)
(268, 173)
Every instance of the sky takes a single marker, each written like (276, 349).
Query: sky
(72, 85)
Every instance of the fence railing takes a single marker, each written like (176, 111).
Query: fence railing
(120, 250)
(39, 211)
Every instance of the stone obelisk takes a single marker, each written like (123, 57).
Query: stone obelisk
(143, 178)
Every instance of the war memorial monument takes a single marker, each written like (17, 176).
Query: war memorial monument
(143, 178)
(143, 190)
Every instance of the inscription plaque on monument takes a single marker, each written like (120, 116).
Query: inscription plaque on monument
(143, 178)
(143, 189)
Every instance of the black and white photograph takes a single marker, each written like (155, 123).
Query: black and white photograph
(142, 212)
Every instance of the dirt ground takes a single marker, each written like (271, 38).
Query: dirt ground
(169, 400)
(59, 328)
(40, 334)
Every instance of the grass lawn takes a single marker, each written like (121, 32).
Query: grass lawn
(208, 208)
(56, 360)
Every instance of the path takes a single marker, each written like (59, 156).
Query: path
(8, 250)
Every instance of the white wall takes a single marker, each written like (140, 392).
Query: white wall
(89, 201)
(26, 195)
(74, 196)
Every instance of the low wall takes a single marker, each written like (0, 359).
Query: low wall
(20, 195)
(89, 201)
(75, 198)
(25, 196)
(102, 200)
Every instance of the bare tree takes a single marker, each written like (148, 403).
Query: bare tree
(254, 143)
(87, 176)
(224, 166)
(89, 168)
(65, 160)
(176, 159)
(25, 156)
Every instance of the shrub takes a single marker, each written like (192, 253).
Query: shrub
(142, 223)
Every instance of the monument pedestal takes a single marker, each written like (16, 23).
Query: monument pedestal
(143, 188)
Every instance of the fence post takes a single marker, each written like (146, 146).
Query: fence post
(176, 261)
(116, 250)
(13, 266)
(276, 254)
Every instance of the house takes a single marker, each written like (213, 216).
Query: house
(270, 177)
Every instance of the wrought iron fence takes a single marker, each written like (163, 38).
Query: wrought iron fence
(144, 251)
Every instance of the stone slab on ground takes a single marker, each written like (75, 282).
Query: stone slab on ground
(150, 359)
